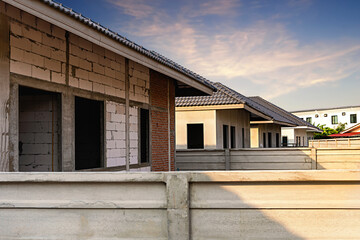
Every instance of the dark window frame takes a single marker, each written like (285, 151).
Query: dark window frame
(334, 119)
(353, 118)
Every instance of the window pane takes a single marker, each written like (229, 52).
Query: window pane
(334, 119)
(308, 119)
(353, 118)
(195, 136)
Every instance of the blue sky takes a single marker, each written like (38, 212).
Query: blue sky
(299, 54)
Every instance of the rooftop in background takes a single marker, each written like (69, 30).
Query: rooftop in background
(298, 121)
(126, 42)
(228, 96)
(325, 109)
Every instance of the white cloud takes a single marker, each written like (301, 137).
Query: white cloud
(264, 53)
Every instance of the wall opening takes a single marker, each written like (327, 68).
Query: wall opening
(284, 141)
(89, 119)
(243, 137)
(277, 140)
(144, 135)
(233, 136)
(225, 136)
(195, 136)
(269, 140)
(39, 130)
(264, 140)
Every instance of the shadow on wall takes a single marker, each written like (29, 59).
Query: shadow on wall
(239, 210)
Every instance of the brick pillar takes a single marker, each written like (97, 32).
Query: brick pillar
(159, 101)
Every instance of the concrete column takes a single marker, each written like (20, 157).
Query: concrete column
(177, 189)
(67, 132)
(127, 115)
(227, 159)
(4, 93)
(14, 128)
(313, 158)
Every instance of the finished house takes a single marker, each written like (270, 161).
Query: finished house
(297, 136)
(76, 96)
(227, 119)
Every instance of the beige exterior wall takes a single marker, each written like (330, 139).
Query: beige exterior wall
(208, 118)
(266, 128)
(293, 133)
(238, 118)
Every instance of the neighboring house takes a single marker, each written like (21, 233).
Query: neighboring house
(331, 117)
(223, 121)
(297, 135)
(77, 96)
(353, 131)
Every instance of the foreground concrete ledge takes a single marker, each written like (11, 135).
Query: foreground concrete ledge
(209, 176)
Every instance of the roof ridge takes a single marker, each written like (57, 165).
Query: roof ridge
(242, 101)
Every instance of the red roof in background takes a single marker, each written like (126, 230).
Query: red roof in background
(345, 134)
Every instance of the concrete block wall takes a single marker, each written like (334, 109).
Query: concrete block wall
(38, 49)
(139, 82)
(44, 52)
(38, 120)
(115, 134)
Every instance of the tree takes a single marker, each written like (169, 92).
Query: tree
(328, 130)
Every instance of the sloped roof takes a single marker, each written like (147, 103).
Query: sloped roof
(291, 117)
(228, 96)
(221, 97)
(123, 40)
(355, 128)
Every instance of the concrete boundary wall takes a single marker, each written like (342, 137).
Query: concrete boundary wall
(186, 205)
(335, 143)
(268, 159)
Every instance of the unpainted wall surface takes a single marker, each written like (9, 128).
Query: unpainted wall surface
(115, 134)
(162, 120)
(39, 49)
(39, 52)
(181, 206)
(38, 133)
(4, 90)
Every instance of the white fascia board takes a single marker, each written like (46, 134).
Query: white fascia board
(69, 24)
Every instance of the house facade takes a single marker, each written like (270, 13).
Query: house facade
(331, 117)
(227, 119)
(77, 96)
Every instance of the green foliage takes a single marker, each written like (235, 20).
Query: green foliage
(328, 131)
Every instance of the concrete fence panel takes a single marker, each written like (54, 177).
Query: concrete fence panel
(181, 205)
(269, 159)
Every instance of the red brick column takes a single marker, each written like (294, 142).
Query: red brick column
(159, 86)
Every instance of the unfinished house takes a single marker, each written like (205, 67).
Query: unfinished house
(77, 96)
(223, 120)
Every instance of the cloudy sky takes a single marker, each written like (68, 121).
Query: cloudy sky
(299, 54)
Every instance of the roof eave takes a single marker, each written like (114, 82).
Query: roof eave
(72, 25)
